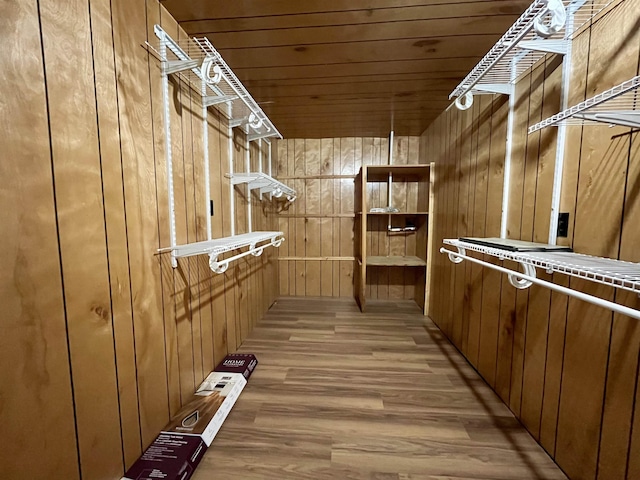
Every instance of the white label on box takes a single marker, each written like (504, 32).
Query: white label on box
(216, 422)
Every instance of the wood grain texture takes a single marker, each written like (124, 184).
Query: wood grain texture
(382, 395)
(161, 178)
(350, 69)
(115, 227)
(602, 176)
(320, 223)
(132, 73)
(34, 339)
(567, 369)
(81, 231)
(103, 334)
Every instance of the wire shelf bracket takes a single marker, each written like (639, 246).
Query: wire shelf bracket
(265, 184)
(202, 65)
(616, 106)
(606, 271)
(547, 26)
(211, 100)
(255, 242)
(198, 63)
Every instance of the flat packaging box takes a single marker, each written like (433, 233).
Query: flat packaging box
(204, 414)
(243, 363)
(176, 452)
(171, 456)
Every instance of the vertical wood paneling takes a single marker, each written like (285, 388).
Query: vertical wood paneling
(327, 205)
(602, 174)
(479, 218)
(320, 223)
(223, 287)
(537, 330)
(180, 149)
(622, 370)
(491, 282)
(83, 250)
(103, 335)
(132, 72)
(115, 226)
(34, 334)
(312, 195)
(567, 369)
(162, 208)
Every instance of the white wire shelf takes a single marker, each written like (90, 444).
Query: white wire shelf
(617, 106)
(616, 273)
(203, 68)
(216, 247)
(522, 46)
(266, 184)
(607, 271)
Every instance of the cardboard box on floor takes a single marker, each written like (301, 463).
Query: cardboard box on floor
(177, 451)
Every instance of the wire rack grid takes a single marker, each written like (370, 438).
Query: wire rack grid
(607, 271)
(264, 182)
(505, 63)
(229, 86)
(616, 106)
(226, 244)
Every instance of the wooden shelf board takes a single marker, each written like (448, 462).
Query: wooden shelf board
(380, 173)
(398, 213)
(395, 261)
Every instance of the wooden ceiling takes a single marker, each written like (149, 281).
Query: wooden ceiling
(336, 68)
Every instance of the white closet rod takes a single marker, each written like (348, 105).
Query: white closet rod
(600, 302)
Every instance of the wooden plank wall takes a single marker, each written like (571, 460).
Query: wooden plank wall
(101, 338)
(318, 257)
(567, 369)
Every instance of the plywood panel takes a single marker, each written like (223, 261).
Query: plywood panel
(202, 287)
(166, 270)
(600, 195)
(466, 312)
(366, 51)
(450, 143)
(527, 215)
(492, 280)
(83, 252)
(283, 7)
(181, 154)
(633, 462)
(327, 205)
(34, 337)
(223, 288)
(479, 217)
(368, 48)
(115, 227)
(105, 363)
(567, 369)
(132, 72)
(537, 331)
(417, 28)
(313, 206)
(622, 369)
(351, 17)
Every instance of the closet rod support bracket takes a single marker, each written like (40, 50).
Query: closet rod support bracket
(522, 283)
(453, 257)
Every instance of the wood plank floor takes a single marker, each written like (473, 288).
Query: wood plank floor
(339, 394)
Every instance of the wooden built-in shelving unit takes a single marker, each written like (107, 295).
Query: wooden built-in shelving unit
(409, 218)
